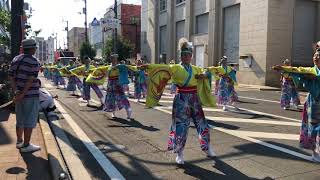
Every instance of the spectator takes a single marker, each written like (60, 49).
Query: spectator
(23, 74)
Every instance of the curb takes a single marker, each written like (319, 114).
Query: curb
(57, 165)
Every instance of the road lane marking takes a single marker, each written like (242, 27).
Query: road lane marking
(254, 134)
(204, 109)
(258, 99)
(105, 164)
(284, 150)
(237, 110)
(254, 121)
(261, 113)
(266, 135)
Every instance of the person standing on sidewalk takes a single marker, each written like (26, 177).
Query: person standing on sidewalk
(23, 75)
(289, 90)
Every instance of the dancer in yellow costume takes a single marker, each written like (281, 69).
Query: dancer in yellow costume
(193, 92)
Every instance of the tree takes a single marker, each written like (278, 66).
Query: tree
(87, 50)
(5, 21)
(124, 48)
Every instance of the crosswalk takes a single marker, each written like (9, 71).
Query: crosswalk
(252, 136)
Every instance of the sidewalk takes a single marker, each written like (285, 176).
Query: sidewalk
(13, 164)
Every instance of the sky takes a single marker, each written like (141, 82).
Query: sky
(50, 16)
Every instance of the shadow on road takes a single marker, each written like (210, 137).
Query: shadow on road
(222, 125)
(252, 115)
(132, 123)
(246, 102)
(259, 150)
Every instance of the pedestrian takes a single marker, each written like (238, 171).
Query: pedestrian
(140, 83)
(289, 92)
(187, 104)
(24, 79)
(226, 92)
(86, 86)
(310, 127)
(116, 99)
(72, 82)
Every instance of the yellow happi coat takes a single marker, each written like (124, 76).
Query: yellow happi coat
(160, 74)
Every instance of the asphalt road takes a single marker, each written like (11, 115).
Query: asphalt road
(256, 140)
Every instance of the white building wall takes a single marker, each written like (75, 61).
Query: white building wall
(50, 50)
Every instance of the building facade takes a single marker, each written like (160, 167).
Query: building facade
(96, 36)
(76, 36)
(130, 28)
(50, 49)
(41, 53)
(256, 34)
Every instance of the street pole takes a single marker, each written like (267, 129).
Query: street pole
(56, 41)
(86, 20)
(67, 29)
(136, 24)
(16, 26)
(115, 29)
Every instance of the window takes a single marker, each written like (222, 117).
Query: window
(202, 23)
(163, 39)
(163, 5)
(179, 34)
(180, 1)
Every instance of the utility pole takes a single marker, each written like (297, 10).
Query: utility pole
(16, 26)
(56, 41)
(115, 9)
(67, 30)
(86, 20)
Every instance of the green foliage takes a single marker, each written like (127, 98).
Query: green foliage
(5, 19)
(87, 50)
(124, 48)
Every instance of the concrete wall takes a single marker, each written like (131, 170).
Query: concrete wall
(253, 40)
(280, 31)
(152, 34)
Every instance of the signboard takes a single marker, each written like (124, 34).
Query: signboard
(112, 23)
(95, 22)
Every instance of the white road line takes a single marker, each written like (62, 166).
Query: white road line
(243, 136)
(255, 121)
(265, 100)
(288, 151)
(161, 101)
(204, 109)
(253, 112)
(257, 99)
(265, 135)
(263, 113)
(105, 164)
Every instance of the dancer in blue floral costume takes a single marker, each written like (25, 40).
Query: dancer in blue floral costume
(289, 92)
(140, 83)
(310, 128)
(193, 92)
(71, 79)
(227, 81)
